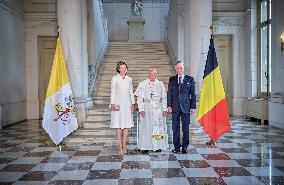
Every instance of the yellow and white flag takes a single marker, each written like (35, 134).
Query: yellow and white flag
(59, 117)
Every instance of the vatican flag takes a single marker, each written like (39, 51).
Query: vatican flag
(59, 117)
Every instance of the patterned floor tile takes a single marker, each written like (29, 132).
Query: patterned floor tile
(252, 162)
(55, 160)
(232, 171)
(218, 156)
(17, 168)
(38, 176)
(10, 176)
(87, 153)
(243, 180)
(167, 172)
(206, 181)
(38, 154)
(77, 166)
(193, 164)
(200, 172)
(65, 154)
(101, 182)
(163, 157)
(165, 164)
(112, 158)
(48, 167)
(28, 160)
(258, 151)
(223, 163)
(227, 145)
(12, 154)
(264, 171)
(275, 180)
(82, 159)
(31, 183)
(209, 151)
(103, 174)
(234, 150)
(189, 157)
(171, 181)
(136, 158)
(71, 175)
(135, 165)
(66, 182)
(106, 165)
(242, 156)
(135, 173)
(138, 181)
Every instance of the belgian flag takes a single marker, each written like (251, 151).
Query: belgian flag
(212, 112)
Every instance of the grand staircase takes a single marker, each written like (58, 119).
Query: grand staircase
(140, 57)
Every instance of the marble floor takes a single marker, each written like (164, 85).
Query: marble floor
(249, 154)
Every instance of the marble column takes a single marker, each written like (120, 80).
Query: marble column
(72, 18)
(198, 19)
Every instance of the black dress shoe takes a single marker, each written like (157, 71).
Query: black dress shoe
(184, 151)
(158, 150)
(145, 151)
(176, 150)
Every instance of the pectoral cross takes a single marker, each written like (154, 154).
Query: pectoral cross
(151, 95)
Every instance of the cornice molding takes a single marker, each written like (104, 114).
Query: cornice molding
(10, 8)
(40, 16)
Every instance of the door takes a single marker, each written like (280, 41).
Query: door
(46, 47)
(223, 47)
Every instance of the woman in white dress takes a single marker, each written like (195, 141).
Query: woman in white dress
(122, 104)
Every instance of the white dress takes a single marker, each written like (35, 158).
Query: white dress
(122, 95)
(152, 98)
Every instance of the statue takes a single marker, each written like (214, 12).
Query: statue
(136, 7)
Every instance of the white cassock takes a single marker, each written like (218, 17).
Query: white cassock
(152, 98)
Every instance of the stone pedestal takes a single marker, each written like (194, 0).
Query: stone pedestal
(136, 29)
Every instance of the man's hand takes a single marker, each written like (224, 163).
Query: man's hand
(170, 110)
(142, 114)
(132, 108)
(165, 113)
(191, 111)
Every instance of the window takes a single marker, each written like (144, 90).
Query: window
(264, 82)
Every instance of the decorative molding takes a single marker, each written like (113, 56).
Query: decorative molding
(10, 8)
(130, 1)
(40, 16)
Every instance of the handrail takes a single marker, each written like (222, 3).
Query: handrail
(93, 69)
(169, 48)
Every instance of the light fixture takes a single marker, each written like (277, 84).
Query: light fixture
(282, 42)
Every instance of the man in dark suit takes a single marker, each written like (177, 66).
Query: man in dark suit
(181, 102)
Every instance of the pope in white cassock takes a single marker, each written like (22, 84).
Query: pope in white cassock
(152, 105)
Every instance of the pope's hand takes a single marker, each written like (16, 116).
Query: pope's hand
(142, 113)
(165, 113)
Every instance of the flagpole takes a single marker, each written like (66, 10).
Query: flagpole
(211, 142)
(60, 144)
(58, 31)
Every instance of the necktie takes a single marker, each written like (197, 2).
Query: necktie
(179, 81)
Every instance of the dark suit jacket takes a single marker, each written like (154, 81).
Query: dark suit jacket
(186, 99)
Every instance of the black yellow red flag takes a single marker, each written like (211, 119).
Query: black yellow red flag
(212, 112)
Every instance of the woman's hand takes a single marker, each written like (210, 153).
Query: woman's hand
(132, 108)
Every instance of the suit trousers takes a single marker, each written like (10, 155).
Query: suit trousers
(185, 119)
